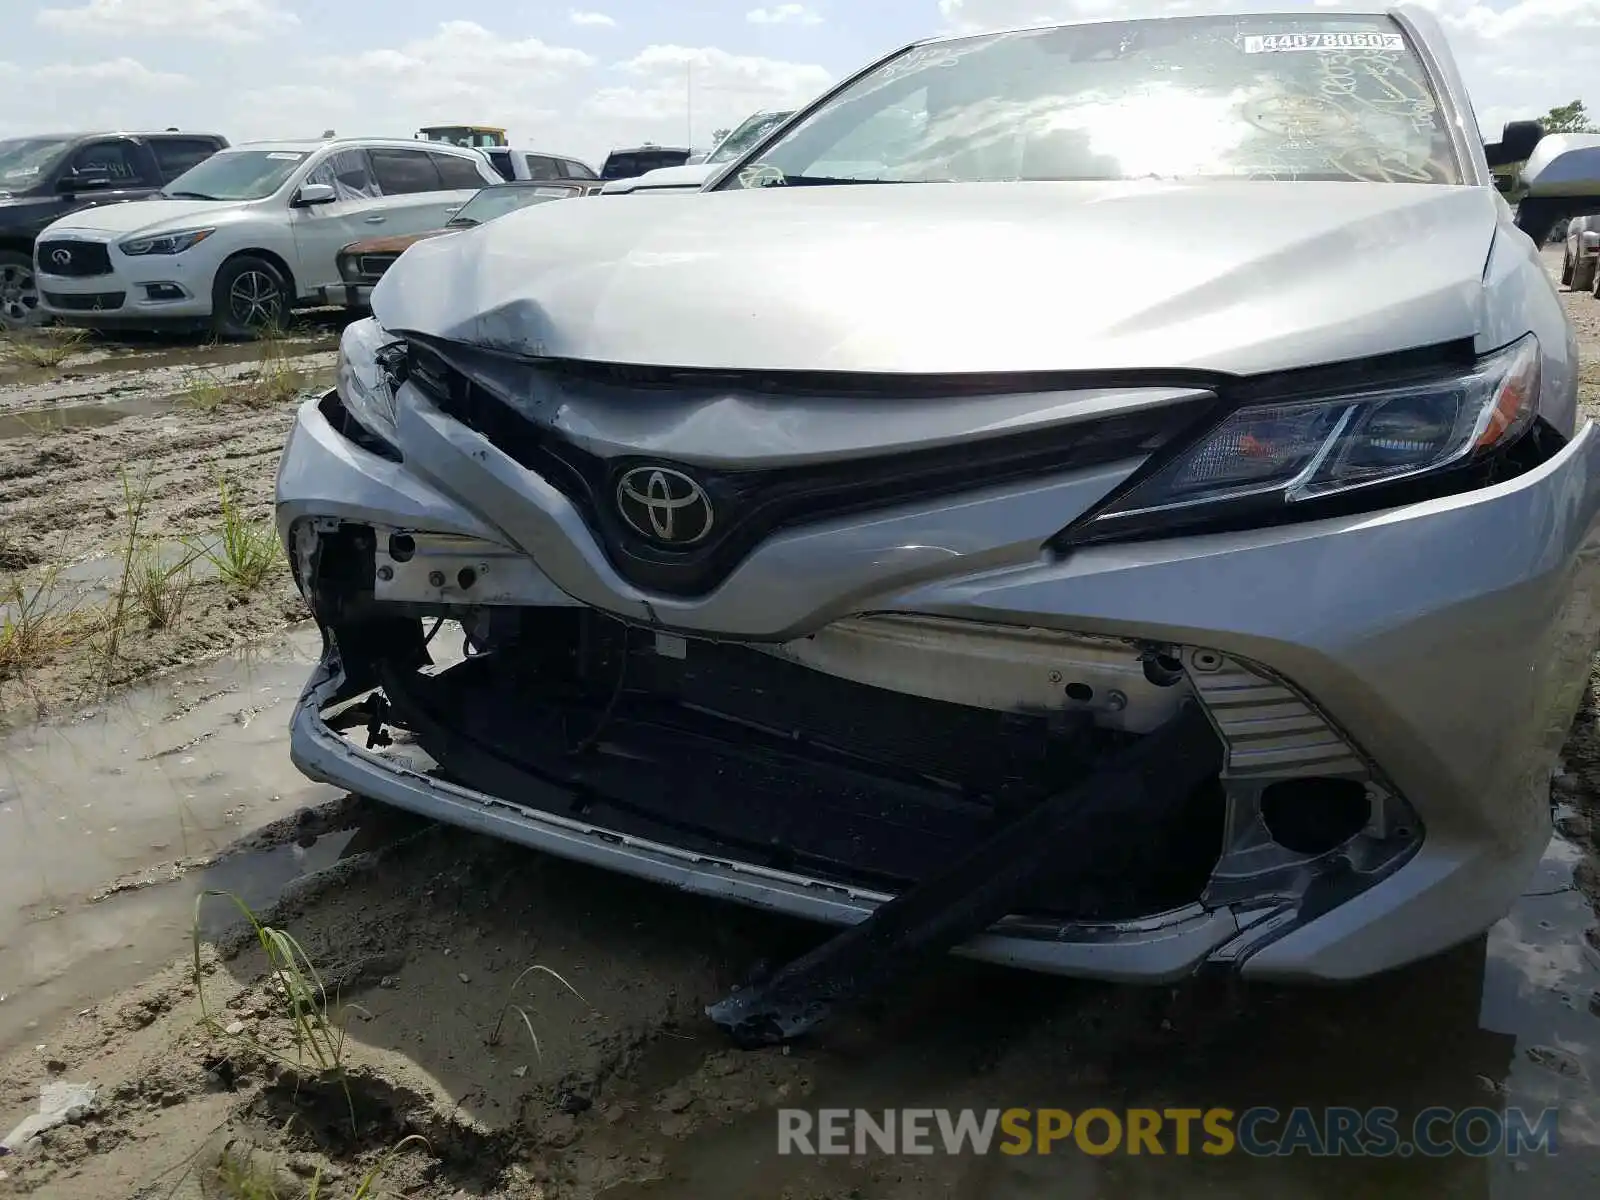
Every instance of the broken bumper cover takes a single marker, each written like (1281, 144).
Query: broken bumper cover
(1445, 643)
(1163, 947)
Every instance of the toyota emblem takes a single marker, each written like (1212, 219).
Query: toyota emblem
(62, 257)
(664, 505)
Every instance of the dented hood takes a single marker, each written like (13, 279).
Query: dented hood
(935, 278)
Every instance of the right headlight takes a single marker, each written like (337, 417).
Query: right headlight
(363, 383)
(1264, 460)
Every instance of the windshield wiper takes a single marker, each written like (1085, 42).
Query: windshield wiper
(189, 196)
(828, 181)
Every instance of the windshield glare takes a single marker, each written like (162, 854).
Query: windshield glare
(1284, 97)
(23, 161)
(495, 202)
(747, 135)
(237, 175)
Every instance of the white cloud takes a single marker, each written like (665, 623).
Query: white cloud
(125, 72)
(783, 14)
(545, 93)
(1518, 57)
(579, 17)
(723, 89)
(218, 20)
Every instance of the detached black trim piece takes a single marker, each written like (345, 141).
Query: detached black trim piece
(1057, 837)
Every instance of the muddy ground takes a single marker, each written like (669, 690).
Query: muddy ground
(116, 816)
(113, 462)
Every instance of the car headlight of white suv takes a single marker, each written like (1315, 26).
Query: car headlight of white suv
(165, 243)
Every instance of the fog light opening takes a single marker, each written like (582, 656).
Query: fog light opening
(1313, 816)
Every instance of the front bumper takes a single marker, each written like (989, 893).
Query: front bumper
(1446, 643)
(346, 295)
(158, 290)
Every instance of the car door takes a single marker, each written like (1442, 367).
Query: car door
(128, 169)
(416, 198)
(322, 230)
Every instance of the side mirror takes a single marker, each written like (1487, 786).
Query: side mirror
(311, 194)
(83, 181)
(1517, 142)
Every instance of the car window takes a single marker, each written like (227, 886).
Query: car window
(25, 161)
(457, 173)
(349, 173)
(577, 170)
(174, 156)
(497, 200)
(747, 135)
(238, 175)
(118, 159)
(1311, 95)
(501, 159)
(404, 172)
(540, 167)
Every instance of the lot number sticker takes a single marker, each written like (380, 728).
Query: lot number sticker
(1278, 43)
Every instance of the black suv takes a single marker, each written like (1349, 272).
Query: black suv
(46, 176)
(629, 164)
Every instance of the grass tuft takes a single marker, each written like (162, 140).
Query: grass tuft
(36, 623)
(47, 347)
(511, 1006)
(245, 552)
(275, 380)
(160, 590)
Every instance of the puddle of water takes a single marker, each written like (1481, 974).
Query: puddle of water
(94, 581)
(80, 401)
(40, 421)
(172, 771)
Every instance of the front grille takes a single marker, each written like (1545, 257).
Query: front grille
(73, 259)
(87, 302)
(751, 506)
(372, 266)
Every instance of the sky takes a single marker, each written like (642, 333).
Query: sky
(584, 79)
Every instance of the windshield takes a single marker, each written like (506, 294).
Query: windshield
(747, 135)
(1284, 97)
(495, 202)
(24, 160)
(237, 175)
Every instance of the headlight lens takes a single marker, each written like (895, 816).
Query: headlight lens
(1282, 455)
(363, 383)
(165, 243)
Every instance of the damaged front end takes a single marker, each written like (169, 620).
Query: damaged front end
(1069, 803)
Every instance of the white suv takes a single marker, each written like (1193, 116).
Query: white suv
(248, 234)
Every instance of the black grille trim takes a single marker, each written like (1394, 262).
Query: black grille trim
(86, 260)
(752, 506)
(86, 302)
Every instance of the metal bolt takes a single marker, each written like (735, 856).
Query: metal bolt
(1055, 676)
(1116, 701)
(436, 578)
(386, 573)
